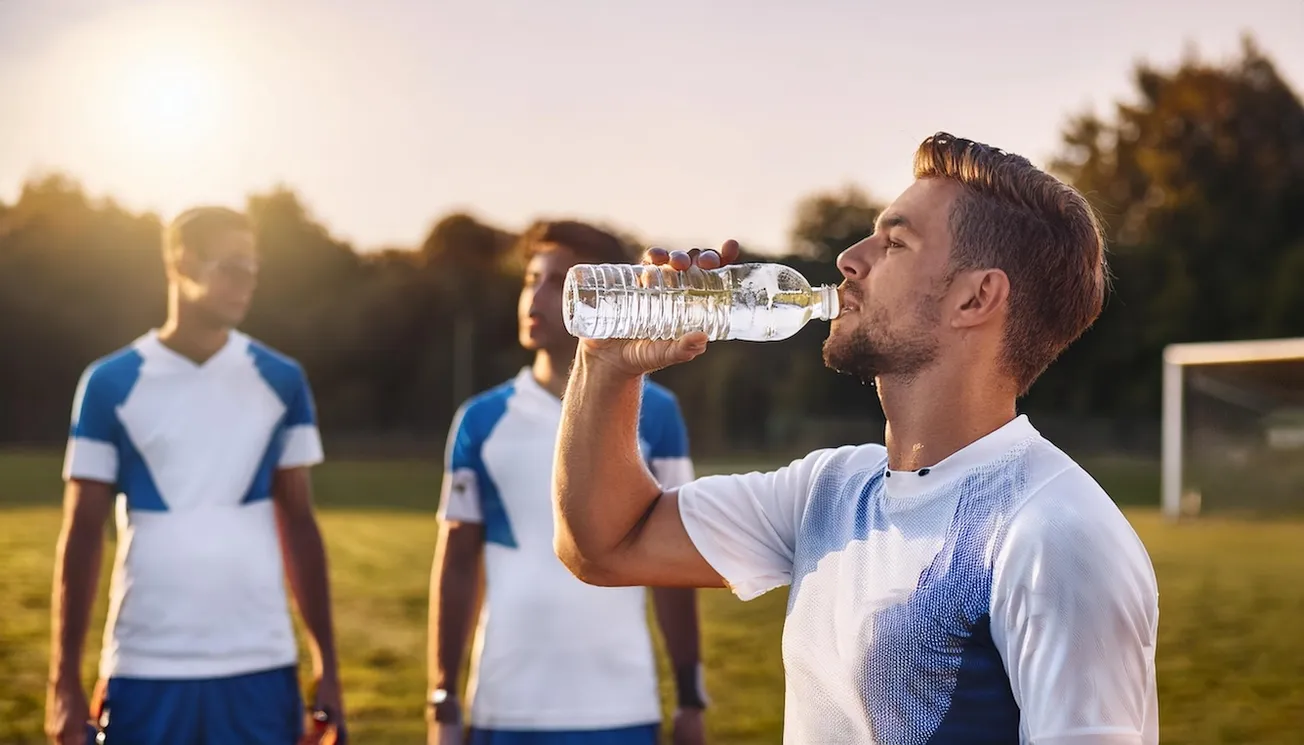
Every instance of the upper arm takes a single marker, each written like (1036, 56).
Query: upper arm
(87, 503)
(745, 526)
(657, 553)
(459, 499)
(734, 531)
(300, 450)
(292, 490)
(1075, 615)
(461, 546)
(302, 444)
(94, 434)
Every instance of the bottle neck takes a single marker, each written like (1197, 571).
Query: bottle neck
(827, 303)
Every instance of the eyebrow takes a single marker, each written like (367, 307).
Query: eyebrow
(893, 220)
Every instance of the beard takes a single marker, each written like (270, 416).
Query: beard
(872, 350)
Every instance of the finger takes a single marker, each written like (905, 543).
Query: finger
(729, 251)
(680, 261)
(657, 256)
(709, 260)
(689, 346)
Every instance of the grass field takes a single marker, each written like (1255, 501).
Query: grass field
(1231, 661)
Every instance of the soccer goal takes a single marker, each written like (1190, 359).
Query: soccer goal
(1233, 427)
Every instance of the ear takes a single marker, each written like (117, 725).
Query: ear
(179, 265)
(981, 296)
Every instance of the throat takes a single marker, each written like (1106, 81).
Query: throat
(551, 372)
(197, 345)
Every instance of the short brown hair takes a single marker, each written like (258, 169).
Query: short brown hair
(590, 244)
(1038, 230)
(193, 229)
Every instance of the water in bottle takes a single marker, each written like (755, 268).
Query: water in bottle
(752, 302)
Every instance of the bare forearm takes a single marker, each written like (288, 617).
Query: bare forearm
(76, 578)
(603, 489)
(454, 593)
(676, 610)
(305, 559)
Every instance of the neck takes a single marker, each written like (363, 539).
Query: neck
(551, 370)
(939, 412)
(189, 333)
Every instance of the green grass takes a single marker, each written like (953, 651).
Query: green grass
(1230, 658)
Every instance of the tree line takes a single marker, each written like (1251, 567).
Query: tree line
(1199, 178)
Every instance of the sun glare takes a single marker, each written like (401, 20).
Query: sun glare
(167, 103)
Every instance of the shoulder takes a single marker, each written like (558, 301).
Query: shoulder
(479, 414)
(273, 363)
(827, 470)
(845, 462)
(113, 375)
(1068, 519)
(1056, 486)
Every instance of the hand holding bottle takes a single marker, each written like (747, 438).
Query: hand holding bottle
(674, 294)
(639, 356)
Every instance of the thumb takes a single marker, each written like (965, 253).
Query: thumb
(688, 347)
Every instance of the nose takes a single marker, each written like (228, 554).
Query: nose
(855, 262)
(533, 308)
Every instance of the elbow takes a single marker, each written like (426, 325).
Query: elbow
(588, 567)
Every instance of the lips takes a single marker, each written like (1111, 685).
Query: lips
(849, 295)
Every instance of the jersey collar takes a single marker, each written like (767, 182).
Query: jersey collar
(911, 484)
(161, 357)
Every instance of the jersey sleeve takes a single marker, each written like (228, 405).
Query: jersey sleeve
(302, 438)
(668, 457)
(745, 525)
(459, 499)
(92, 451)
(1074, 613)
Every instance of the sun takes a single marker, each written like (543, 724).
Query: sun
(168, 103)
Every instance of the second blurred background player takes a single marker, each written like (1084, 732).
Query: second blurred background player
(556, 660)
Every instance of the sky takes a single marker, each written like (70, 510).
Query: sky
(683, 122)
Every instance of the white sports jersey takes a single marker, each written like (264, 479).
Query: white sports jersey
(192, 448)
(998, 597)
(551, 653)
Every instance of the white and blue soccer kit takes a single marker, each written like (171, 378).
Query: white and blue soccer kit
(554, 659)
(199, 646)
(997, 597)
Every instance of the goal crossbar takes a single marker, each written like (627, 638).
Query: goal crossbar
(1178, 356)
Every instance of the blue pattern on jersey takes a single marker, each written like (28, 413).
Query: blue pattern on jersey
(103, 388)
(285, 377)
(660, 424)
(476, 421)
(932, 672)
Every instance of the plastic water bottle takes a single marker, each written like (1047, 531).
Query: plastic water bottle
(752, 302)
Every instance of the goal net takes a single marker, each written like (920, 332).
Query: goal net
(1233, 428)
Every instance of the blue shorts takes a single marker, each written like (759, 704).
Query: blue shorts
(643, 734)
(263, 708)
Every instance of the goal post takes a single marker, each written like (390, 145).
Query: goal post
(1233, 419)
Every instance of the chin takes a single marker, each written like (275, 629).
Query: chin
(230, 320)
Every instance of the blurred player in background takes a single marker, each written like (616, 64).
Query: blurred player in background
(968, 583)
(556, 660)
(205, 438)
